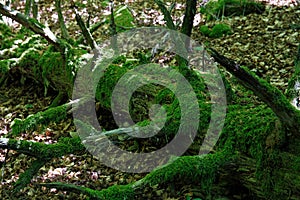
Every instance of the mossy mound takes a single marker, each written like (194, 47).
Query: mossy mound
(219, 30)
(145, 97)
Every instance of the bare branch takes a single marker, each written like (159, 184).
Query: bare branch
(86, 33)
(64, 31)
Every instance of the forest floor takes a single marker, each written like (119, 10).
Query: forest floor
(265, 43)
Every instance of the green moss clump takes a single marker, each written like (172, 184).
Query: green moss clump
(117, 192)
(190, 169)
(107, 83)
(150, 94)
(205, 30)
(219, 30)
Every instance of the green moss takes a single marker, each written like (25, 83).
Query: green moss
(144, 97)
(4, 67)
(56, 72)
(219, 30)
(25, 177)
(256, 132)
(107, 83)
(190, 169)
(39, 119)
(245, 131)
(5, 36)
(124, 18)
(117, 192)
(30, 60)
(205, 30)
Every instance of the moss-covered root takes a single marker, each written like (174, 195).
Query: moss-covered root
(41, 150)
(26, 176)
(43, 153)
(116, 192)
(187, 169)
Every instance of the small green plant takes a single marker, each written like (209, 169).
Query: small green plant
(219, 30)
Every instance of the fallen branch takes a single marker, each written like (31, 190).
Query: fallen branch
(273, 97)
(188, 169)
(86, 33)
(55, 114)
(31, 24)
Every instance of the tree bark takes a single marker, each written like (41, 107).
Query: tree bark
(188, 20)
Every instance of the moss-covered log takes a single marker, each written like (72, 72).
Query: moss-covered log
(151, 94)
(248, 157)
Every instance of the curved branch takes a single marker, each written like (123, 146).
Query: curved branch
(43, 153)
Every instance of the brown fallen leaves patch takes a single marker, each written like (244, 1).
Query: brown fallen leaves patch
(266, 43)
